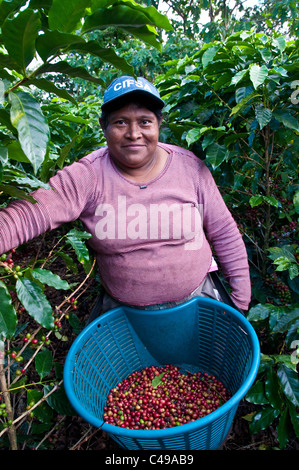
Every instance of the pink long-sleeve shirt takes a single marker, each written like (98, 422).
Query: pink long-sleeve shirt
(153, 240)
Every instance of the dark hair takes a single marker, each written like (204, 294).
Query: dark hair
(139, 100)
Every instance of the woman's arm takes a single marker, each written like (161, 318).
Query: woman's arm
(226, 240)
(22, 220)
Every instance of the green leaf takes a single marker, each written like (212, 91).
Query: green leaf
(33, 130)
(106, 55)
(47, 277)
(44, 363)
(49, 87)
(209, 55)
(126, 15)
(7, 62)
(283, 429)
(259, 312)
(5, 121)
(3, 155)
(160, 20)
(157, 380)
(293, 271)
(257, 395)
(284, 258)
(146, 34)
(16, 192)
(256, 200)
(271, 200)
(59, 401)
(51, 43)
(216, 154)
(65, 16)
(290, 383)
(24, 179)
(71, 118)
(296, 201)
(266, 54)
(238, 76)
(265, 363)
(286, 251)
(65, 68)
(272, 389)
(263, 116)
(16, 153)
(281, 71)
(287, 359)
(75, 238)
(280, 43)
(43, 412)
(294, 415)
(194, 134)
(244, 102)
(8, 316)
(259, 199)
(286, 119)
(8, 7)
(35, 302)
(262, 419)
(19, 35)
(75, 323)
(258, 75)
(61, 337)
(69, 262)
(2, 91)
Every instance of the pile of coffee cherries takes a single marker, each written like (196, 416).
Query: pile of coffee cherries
(163, 397)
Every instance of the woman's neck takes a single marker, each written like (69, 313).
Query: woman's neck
(148, 172)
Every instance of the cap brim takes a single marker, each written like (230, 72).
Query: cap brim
(128, 97)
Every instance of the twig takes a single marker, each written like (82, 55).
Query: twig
(24, 415)
(84, 438)
(11, 429)
(79, 287)
(5, 389)
(49, 433)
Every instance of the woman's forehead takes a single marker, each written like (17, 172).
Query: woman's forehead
(132, 109)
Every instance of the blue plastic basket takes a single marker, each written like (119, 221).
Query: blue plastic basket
(201, 334)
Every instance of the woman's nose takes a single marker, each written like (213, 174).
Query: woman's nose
(133, 131)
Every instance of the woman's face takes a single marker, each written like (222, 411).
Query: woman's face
(132, 135)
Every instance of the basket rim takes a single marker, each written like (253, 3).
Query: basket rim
(181, 429)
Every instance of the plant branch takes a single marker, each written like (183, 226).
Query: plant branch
(11, 429)
(27, 412)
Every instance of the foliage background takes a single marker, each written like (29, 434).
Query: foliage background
(228, 73)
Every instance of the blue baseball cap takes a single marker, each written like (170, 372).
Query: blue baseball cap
(120, 89)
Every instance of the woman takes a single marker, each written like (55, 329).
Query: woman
(153, 209)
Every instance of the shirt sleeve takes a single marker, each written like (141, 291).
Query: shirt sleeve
(70, 190)
(225, 238)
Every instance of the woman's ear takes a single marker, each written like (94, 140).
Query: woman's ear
(102, 125)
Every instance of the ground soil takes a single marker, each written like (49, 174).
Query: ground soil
(72, 432)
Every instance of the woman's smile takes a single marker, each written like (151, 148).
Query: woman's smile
(132, 136)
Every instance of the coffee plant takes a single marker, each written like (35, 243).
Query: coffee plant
(276, 389)
(30, 375)
(234, 104)
(45, 124)
(232, 101)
